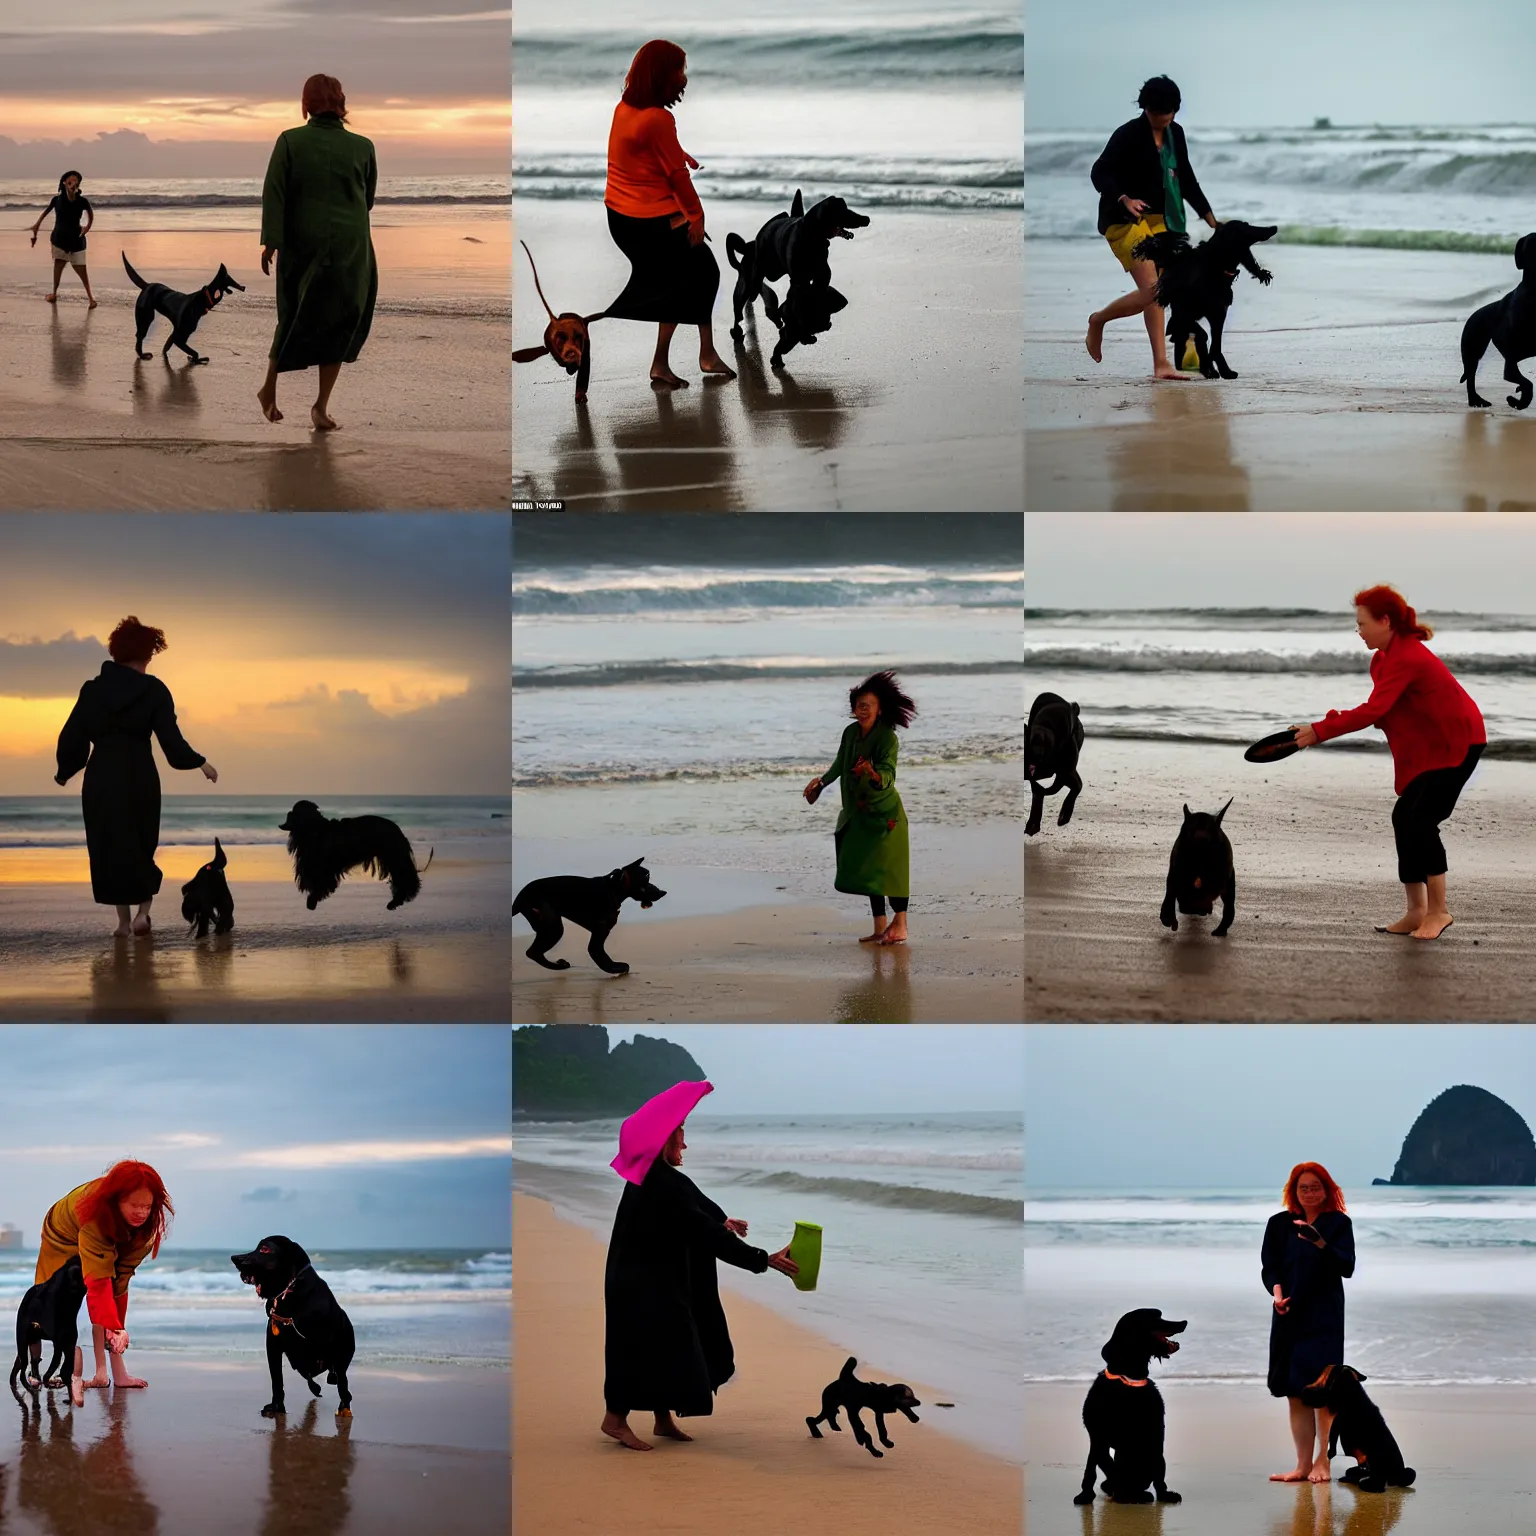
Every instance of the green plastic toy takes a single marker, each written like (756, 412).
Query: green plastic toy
(805, 1250)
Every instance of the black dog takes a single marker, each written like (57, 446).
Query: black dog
(325, 851)
(592, 904)
(565, 339)
(1510, 324)
(1359, 1427)
(1053, 739)
(1123, 1412)
(1200, 870)
(1195, 283)
(793, 245)
(49, 1311)
(206, 897)
(183, 310)
(851, 1393)
(305, 1322)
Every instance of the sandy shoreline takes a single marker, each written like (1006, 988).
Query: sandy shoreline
(1312, 841)
(752, 1453)
(426, 1449)
(910, 403)
(1347, 397)
(1469, 1446)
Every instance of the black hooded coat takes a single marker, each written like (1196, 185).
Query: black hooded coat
(107, 734)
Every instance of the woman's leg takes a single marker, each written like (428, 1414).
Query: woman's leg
(58, 272)
(710, 360)
(124, 922)
(141, 924)
(1303, 1420)
(1138, 302)
(120, 1376)
(1421, 863)
(1322, 1468)
(319, 412)
(877, 909)
(85, 278)
(267, 394)
(897, 932)
(662, 376)
(616, 1426)
(99, 1344)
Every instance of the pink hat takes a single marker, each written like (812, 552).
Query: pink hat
(648, 1130)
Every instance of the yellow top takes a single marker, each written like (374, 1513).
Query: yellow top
(100, 1256)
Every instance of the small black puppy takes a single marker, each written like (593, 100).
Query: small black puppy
(1510, 324)
(851, 1393)
(592, 904)
(206, 897)
(1195, 283)
(49, 1311)
(183, 310)
(305, 1322)
(1200, 870)
(1123, 1412)
(1359, 1427)
(1052, 739)
(325, 851)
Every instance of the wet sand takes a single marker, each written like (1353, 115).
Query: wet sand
(909, 403)
(424, 412)
(1312, 842)
(752, 1455)
(1469, 1446)
(425, 1450)
(1347, 398)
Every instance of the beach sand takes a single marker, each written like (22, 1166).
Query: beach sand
(1469, 1446)
(909, 403)
(1312, 839)
(1347, 397)
(424, 411)
(442, 958)
(753, 1454)
(426, 1450)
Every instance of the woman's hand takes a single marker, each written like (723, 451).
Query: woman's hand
(1134, 206)
(1212, 220)
(696, 231)
(738, 1227)
(812, 791)
(1309, 1234)
(117, 1340)
(1282, 1303)
(210, 773)
(34, 237)
(692, 163)
(865, 769)
(782, 1262)
(1305, 735)
(267, 253)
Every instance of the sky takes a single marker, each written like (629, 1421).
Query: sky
(850, 1069)
(1247, 65)
(1461, 561)
(428, 80)
(1237, 1106)
(343, 1136)
(322, 654)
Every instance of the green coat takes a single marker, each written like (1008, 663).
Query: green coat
(872, 850)
(314, 210)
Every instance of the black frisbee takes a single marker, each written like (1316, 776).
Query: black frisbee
(1273, 748)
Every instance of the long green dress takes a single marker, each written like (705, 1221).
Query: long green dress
(314, 209)
(872, 848)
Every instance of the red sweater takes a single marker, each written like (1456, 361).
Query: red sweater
(647, 174)
(1428, 718)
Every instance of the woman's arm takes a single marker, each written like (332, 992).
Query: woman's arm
(274, 196)
(1391, 683)
(840, 763)
(1109, 169)
(1341, 1247)
(1271, 1268)
(90, 218)
(372, 177)
(74, 748)
(674, 163)
(883, 760)
(177, 752)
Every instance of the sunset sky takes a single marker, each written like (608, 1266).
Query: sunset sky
(340, 654)
(210, 83)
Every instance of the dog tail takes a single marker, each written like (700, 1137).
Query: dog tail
(846, 1373)
(138, 282)
(536, 283)
(735, 249)
(428, 865)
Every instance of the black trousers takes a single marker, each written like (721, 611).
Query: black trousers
(1428, 800)
(877, 904)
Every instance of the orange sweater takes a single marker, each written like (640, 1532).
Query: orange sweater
(647, 174)
(107, 1265)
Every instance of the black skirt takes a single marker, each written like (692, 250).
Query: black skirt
(670, 281)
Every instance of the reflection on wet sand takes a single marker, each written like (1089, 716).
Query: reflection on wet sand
(885, 997)
(308, 1478)
(75, 1492)
(163, 386)
(67, 348)
(125, 985)
(1181, 460)
(1497, 457)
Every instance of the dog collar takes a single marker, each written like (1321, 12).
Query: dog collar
(282, 1296)
(1125, 1380)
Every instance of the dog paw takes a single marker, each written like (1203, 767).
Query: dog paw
(1476, 400)
(1083, 1498)
(1519, 402)
(274, 1411)
(346, 1413)
(312, 903)
(619, 970)
(1168, 1496)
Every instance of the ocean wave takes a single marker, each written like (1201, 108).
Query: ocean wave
(100, 200)
(1427, 1208)
(1005, 190)
(1085, 658)
(1397, 239)
(693, 591)
(1261, 618)
(626, 673)
(901, 1196)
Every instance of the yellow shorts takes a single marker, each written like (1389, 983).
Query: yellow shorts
(1124, 238)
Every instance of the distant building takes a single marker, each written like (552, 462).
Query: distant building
(10, 1237)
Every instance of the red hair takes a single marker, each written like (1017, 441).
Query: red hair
(100, 1200)
(655, 76)
(1387, 603)
(132, 641)
(323, 94)
(1333, 1195)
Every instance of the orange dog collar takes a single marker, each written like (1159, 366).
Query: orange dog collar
(1124, 1380)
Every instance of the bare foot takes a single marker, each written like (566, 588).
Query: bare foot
(51, 298)
(1095, 338)
(267, 399)
(1433, 925)
(716, 366)
(666, 379)
(129, 1381)
(666, 1426)
(1322, 1472)
(100, 1379)
(618, 1429)
(1295, 1475)
(897, 932)
(91, 305)
(77, 1381)
(323, 422)
(1404, 924)
(874, 938)
(1168, 371)
(122, 931)
(141, 926)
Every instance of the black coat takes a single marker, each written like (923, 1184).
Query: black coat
(1130, 167)
(667, 1344)
(1311, 1334)
(116, 714)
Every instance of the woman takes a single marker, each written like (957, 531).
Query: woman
(67, 242)
(871, 836)
(314, 219)
(1308, 1254)
(1144, 178)
(667, 1348)
(655, 216)
(112, 1223)
(116, 713)
(1436, 735)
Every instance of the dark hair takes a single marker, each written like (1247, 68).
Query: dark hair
(895, 707)
(67, 174)
(1385, 602)
(324, 97)
(1159, 94)
(132, 641)
(655, 75)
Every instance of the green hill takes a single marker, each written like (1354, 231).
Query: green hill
(567, 1071)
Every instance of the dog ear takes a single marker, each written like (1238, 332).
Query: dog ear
(1223, 811)
(220, 858)
(602, 314)
(797, 208)
(835, 300)
(528, 354)
(1358, 1375)
(1520, 246)
(1186, 813)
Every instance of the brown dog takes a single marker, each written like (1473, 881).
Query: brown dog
(565, 338)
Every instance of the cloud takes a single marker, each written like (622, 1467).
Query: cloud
(111, 1152)
(354, 1154)
(267, 1194)
(48, 669)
